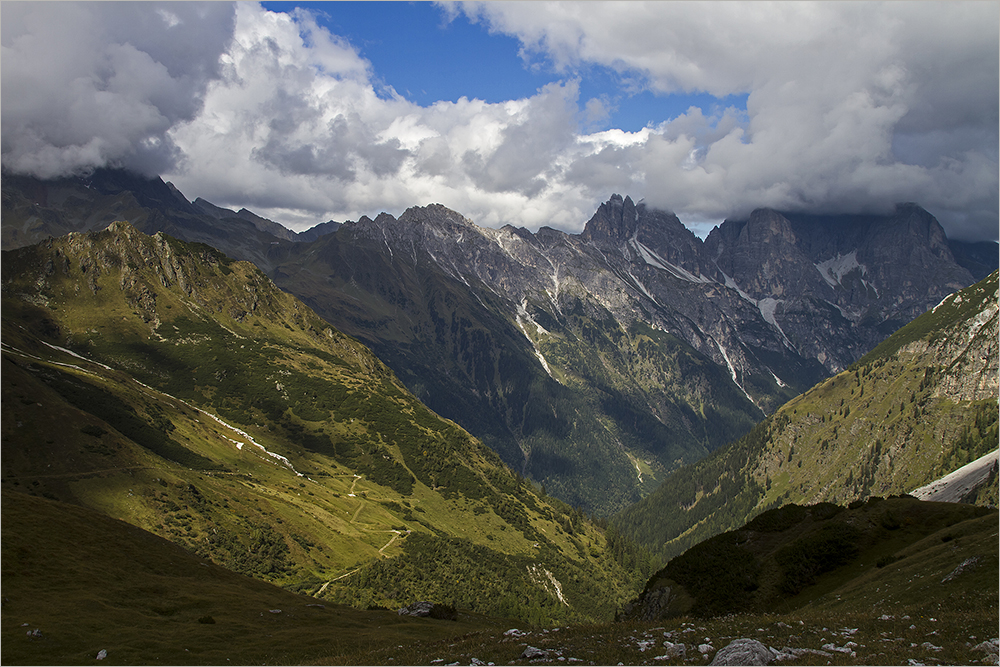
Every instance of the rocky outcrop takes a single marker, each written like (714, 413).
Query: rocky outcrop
(743, 652)
(431, 610)
(651, 605)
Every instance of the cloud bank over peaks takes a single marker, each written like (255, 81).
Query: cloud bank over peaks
(850, 107)
(297, 127)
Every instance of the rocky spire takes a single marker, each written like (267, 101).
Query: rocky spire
(616, 219)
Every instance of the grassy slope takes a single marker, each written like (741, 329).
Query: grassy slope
(795, 556)
(143, 600)
(899, 418)
(88, 582)
(371, 464)
(902, 595)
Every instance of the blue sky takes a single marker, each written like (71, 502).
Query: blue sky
(522, 113)
(427, 56)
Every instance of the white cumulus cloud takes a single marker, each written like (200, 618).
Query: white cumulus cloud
(851, 107)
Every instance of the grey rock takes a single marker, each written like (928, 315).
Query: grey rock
(965, 565)
(788, 653)
(674, 650)
(429, 609)
(533, 653)
(417, 609)
(651, 605)
(743, 652)
(992, 650)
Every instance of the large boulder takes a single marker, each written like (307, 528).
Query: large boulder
(743, 652)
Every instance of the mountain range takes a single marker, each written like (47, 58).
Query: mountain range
(593, 363)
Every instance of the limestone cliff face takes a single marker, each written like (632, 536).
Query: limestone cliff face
(968, 354)
(837, 285)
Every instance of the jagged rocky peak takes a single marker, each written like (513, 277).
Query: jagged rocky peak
(763, 256)
(910, 226)
(767, 226)
(380, 220)
(615, 219)
(434, 214)
(653, 235)
(414, 221)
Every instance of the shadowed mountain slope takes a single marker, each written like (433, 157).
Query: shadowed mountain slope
(918, 406)
(795, 556)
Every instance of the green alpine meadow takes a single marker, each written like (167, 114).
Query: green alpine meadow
(165, 385)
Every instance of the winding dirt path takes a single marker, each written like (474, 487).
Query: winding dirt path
(362, 526)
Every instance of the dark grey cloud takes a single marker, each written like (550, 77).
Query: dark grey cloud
(530, 143)
(91, 84)
(340, 151)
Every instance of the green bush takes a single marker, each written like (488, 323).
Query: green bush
(778, 519)
(833, 545)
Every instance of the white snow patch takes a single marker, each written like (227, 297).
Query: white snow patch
(941, 303)
(241, 432)
(731, 284)
(536, 573)
(658, 262)
(635, 462)
(642, 287)
(522, 312)
(522, 317)
(545, 364)
(959, 482)
(833, 270)
(74, 354)
(732, 371)
(767, 307)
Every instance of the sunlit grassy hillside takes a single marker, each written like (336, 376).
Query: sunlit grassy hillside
(165, 385)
